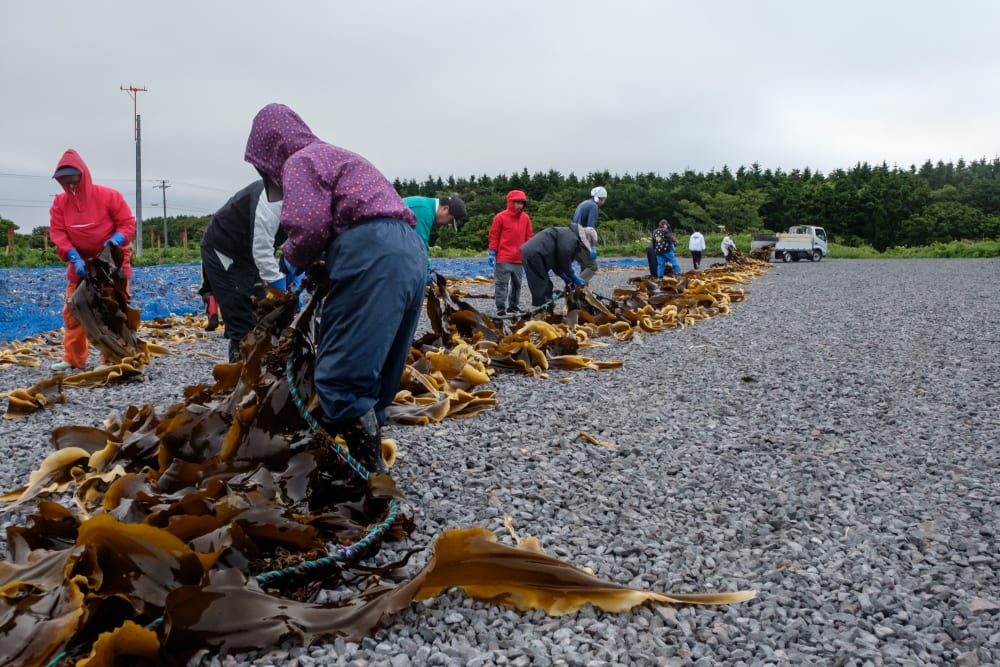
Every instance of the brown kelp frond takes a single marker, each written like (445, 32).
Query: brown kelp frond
(210, 525)
(526, 578)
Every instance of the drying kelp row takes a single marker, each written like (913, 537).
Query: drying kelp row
(101, 304)
(210, 525)
(465, 345)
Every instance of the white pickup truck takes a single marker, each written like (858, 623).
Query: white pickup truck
(800, 242)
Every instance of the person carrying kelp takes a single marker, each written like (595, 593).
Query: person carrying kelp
(340, 209)
(84, 219)
(729, 250)
(554, 249)
(238, 256)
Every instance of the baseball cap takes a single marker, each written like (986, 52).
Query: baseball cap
(66, 171)
(456, 207)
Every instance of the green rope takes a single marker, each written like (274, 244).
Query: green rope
(314, 424)
(376, 532)
(345, 553)
(529, 313)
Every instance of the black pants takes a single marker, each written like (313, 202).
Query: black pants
(696, 258)
(233, 288)
(537, 273)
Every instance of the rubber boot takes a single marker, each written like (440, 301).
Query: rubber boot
(364, 440)
(234, 350)
(211, 312)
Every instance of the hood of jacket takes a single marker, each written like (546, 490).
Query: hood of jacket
(276, 134)
(79, 192)
(511, 197)
(588, 236)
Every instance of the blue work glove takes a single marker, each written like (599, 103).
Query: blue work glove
(593, 253)
(295, 274)
(577, 279)
(280, 283)
(117, 239)
(430, 278)
(493, 258)
(78, 264)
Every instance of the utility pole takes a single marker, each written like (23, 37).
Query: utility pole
(137, 131)
(163, 186)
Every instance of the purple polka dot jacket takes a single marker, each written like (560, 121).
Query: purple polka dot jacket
(326, 188)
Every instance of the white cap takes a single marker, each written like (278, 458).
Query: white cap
(598, 193)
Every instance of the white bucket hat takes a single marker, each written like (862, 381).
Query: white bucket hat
(588, 236)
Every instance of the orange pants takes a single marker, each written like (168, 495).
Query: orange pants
(75, 344)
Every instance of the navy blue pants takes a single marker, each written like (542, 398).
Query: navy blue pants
(233, 287)
(377, 274)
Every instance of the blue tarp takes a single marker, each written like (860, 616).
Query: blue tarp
(31, 300)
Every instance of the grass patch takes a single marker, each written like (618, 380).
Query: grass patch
(33, 257)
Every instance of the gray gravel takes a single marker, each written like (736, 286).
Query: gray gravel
(831, 444)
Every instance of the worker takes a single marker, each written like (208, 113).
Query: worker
(553, 249)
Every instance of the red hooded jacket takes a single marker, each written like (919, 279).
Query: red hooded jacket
(84, 216)
(510, 230)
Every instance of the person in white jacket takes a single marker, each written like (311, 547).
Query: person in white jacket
(238, 256)
(728, 246)
(696, 246)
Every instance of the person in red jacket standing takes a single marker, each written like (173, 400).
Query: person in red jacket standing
(510, 230)
(83, 219)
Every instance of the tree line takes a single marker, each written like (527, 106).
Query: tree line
(879, 206)
(867, 205)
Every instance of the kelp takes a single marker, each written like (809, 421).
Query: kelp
(464, 348)
(101, 303)
(211, 525)
(540, 340)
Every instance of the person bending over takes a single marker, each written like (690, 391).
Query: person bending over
(238, 256)
(554, 249)
(340, 209)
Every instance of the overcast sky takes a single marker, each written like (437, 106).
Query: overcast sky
(462, 87)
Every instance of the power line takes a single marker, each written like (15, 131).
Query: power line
(202, 187)
(8, 174)
(4, 174)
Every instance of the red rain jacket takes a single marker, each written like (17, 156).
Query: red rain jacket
(510, 230)
(86, 216)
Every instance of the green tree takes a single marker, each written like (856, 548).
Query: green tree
(944, 221)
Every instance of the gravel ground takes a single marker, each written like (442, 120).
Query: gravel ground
(831, 444)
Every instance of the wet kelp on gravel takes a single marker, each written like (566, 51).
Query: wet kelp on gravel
(213, 524)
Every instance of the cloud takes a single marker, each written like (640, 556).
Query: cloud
(460, 88)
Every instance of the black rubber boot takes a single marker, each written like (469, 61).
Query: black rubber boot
(234, 350)
(364, 440)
